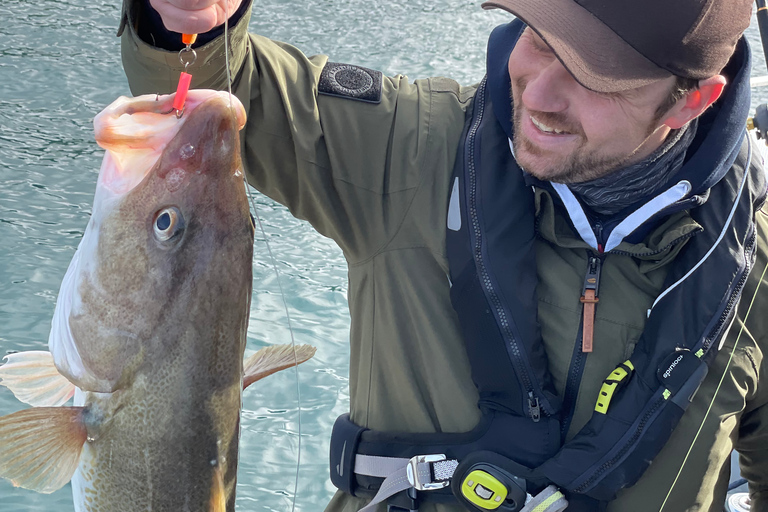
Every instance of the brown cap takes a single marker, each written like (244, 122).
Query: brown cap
(615, 45)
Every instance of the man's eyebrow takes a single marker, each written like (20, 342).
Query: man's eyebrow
(538, 40)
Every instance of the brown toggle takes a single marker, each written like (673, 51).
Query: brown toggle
(589, 300)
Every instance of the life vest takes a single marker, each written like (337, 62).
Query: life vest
(490, 248)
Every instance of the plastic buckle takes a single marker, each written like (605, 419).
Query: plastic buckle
(412, 472)
(404, 501)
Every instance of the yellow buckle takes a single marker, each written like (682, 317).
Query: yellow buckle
(615, 381)
(483, 490)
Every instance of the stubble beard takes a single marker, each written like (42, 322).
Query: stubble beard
(579, 166)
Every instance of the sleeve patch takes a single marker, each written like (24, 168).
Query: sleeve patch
(353, 82)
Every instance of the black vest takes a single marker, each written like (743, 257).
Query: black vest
(493, 273)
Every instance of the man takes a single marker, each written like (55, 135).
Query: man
(595, 206)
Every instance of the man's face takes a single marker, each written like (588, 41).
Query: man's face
(567, 133)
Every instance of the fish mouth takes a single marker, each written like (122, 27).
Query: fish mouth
(134, 131)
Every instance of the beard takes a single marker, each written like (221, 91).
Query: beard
(580, 165)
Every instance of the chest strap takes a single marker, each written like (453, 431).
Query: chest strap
(431, 472)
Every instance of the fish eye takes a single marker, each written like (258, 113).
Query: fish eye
(168, 223)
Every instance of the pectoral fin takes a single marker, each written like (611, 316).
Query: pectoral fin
(218, 502)
(33, 379)
(40, 447)
(273, 359)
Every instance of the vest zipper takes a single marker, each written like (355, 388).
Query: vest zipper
(635, 436)
(519, 362)
(715, 333)
(534, 411)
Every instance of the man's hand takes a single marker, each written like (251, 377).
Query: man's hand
(194, 16)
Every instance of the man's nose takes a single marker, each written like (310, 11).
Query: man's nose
(548, 91)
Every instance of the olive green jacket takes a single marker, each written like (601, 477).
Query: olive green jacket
(375, 178)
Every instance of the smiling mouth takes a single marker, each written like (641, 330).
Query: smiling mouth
(547, 129)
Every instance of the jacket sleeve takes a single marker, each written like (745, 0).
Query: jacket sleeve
(348, 167)
(752, 442)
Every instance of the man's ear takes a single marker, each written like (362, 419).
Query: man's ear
(695, 102)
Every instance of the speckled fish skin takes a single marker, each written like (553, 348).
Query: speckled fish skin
(160, 326)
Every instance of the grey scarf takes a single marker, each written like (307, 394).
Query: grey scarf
(610, 194)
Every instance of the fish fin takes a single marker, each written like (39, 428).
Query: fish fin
(40, 447)
(272, 359)
(33, 379)
(218, 502)
(61, 342)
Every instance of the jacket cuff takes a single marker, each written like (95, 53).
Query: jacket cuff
(149, 26)
(153, 69)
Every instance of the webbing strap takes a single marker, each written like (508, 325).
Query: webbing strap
(394, 470)
(382, 467)
(548, 500)
(392, 484)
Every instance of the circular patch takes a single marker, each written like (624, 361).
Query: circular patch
(351, 79)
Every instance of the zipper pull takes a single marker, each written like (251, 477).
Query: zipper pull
(598, 229)
(534, 411)
(589, 299)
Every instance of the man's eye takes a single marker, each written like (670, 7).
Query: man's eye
(540, 45)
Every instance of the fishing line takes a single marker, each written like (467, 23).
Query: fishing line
(275, 269)
(719, 385)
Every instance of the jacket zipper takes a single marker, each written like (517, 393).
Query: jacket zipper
(518, 361)
(575, 372)
(579, 358)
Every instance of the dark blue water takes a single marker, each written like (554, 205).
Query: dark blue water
(59, 66)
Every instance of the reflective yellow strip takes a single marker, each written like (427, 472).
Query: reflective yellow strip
(699, 353)
(667, 393)
(544, 505)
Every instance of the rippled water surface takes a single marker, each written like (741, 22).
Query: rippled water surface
(59, 66)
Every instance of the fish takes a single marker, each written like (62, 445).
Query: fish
(149, 330)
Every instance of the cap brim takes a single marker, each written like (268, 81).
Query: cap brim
(594, 54)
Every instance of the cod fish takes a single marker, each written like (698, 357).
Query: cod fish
(149, 330)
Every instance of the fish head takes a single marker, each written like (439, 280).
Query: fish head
(166, 257)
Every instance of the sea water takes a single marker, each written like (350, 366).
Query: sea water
(60, 66)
